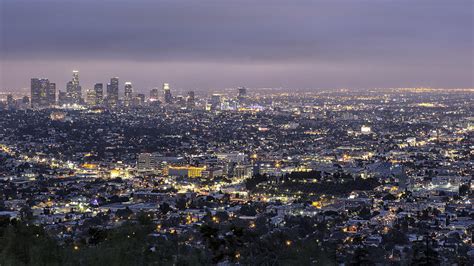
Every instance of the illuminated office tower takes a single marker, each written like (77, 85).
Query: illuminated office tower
(242, 96)
(128, 95)
(51, 94)
(154, 95)
(69, 89)
(216, 101)
(99, 93)
(91, 98)
(113, 92)
(74, 89)
(41, 92)
(190, 101)
(167, 92)
(62, 98)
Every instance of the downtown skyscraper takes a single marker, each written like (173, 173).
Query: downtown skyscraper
(154, 94)
(74, 89)
(128, 94)
(190, 101)
(167, 93)
(99, 93)
(113, 92)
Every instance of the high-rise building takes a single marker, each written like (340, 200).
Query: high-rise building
(74, 89)
(216, 101)
(242, 96)
(154, 95)
(99, 93)
(167, 92)
(75, 77)
(69, 92)
(242, 92)
(113, 92)
(42, 93)
(128, 95)
(51, 94)
(62, 98)
(91, 98)
(190, 101)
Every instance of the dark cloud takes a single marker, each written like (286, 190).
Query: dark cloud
(433, 38)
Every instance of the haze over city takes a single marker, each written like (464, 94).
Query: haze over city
(215, 44)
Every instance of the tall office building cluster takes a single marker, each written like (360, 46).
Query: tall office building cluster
(95, 96)
(73, 93)
(43, 93)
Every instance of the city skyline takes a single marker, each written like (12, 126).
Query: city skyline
(210, 45)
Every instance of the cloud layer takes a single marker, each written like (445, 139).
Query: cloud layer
(339, 43)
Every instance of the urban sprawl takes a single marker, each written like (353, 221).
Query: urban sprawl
(238, 177)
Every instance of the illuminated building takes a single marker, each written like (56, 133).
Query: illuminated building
(216, 101)
(51, 94)
(113, 92)
(190, 101)
(57, 116)
(99, 93)
(242, 93)
(128, 94)
(74, 89)
(242, 171)
(91, 97)
(167, 93)
(365, 129)
(62, 98)
(145, 161)
(186, 171)
(154, 94)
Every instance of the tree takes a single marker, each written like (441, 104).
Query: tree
(124, 213)
(464, 189)
(360, 257)
(165, 208)
(181, 203)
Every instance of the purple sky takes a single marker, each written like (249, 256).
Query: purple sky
(217, 44)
